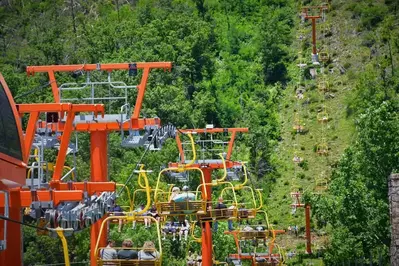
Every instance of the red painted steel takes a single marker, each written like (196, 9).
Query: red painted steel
(308, 236)
(99, 173)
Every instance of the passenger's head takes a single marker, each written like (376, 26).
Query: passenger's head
(148, 246)
(185, 188)
(111, 243)
(220, 200)
(175, 189)
(127, 243)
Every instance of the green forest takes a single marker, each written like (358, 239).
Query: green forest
(235, 64)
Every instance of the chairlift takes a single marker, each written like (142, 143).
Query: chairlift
(153, 137)
(298, 125)
(296, 197)
(322, 117)
(156, 261)
(323, 86)
(324, 56)
(297, 159)
(321, 183)
(322, 149)
(182, 177)
(270, 257)
(233, 174)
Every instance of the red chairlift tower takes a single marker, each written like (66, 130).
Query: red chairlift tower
(313, 13)
(64, 121)
(298, 204)
(208, 166)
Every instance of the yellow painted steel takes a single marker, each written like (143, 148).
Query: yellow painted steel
(60, 233)
(193, 150)
(128, 195)
(224, 169)
(216, 184)
(142, 190)
(51, 168)
(196, 239)
(182, 168)
(240, 186)
(177, 169)
(143, 175)
(48, 166)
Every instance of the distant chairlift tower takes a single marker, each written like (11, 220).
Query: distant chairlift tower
(208, 165)
(306, 15)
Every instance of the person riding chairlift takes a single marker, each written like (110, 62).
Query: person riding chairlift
(221, 206)
(109, 253)
(116, 210)
(147, 222)
(191, 259)
(154, 214)
(170, 227)
(174, 194)
(148, 252)
(127, 253)
(184, 229)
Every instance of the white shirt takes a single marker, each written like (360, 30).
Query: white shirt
(108, 253)
(148, 255)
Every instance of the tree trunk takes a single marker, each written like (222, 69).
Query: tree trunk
(394, 214)
(73, 17)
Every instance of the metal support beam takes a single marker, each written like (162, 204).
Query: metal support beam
(207, 256)
(314, 49)
(308, 235)
(99, 173)
(13, 254)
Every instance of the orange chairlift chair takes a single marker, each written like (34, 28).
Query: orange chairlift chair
(12, 171)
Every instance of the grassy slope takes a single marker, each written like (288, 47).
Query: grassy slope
(346, 50)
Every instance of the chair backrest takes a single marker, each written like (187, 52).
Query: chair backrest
(129, 262)
(188, 206)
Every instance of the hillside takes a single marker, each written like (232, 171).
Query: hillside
(235, 64)
(338, 133)
(357, 46)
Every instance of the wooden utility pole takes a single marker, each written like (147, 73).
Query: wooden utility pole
(393, 194)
